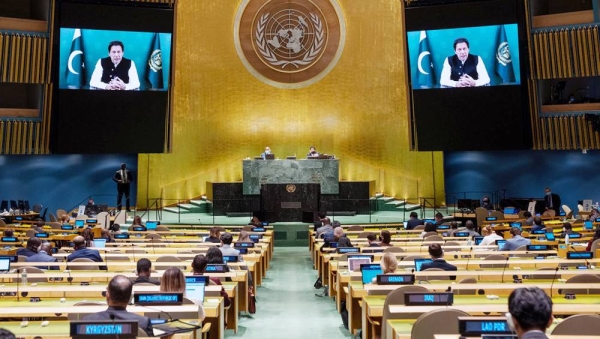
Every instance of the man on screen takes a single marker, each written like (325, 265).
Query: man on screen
(463, 69)
(115, 72)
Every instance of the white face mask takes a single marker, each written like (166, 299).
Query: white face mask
(548, 193)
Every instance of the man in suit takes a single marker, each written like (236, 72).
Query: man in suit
(226, 249)
(144, 269)
(538, 224)
(414, 221)
(486, 203)
(516, 241)
(115, 72)
(529, 313)
(266, 152)
(118, 294)
(80, 251)
(123, 178)
(437, 255)
(44, 255)
(552, 201)
(33, 244)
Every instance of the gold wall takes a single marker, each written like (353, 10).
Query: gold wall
(221, 113)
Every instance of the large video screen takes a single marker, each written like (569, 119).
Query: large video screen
(467, 62)
(465, 57)
(114, 60)
(112, 72)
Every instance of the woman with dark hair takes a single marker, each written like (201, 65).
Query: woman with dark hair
(214, 256)
(88, 236)
(199, 267)
(385, 238)
(173, 280)
(137, 222)
(596, 237)
(429, 227)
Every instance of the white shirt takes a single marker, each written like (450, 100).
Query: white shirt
(490, 239)
(96, 81)
(483, 79)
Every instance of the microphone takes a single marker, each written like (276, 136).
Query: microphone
(133, 251)
(554, 279)
(19, 282)
(112, 317)
(469, 258)
(170, 320)
(587, 263)
(106, 260)
(70, 278)
(504, 268)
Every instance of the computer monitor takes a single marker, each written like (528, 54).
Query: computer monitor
(538, 247)
(478, 240)
(580, 255)
(501, 243)
(242, 250)
(66, 227)
(217, 268)
(194, 287)
(443, 227)
(542, 231)
(515, 224)
(574, 235)
(10, 239)
(243, 244)
(491, 218)
(91, 221)
(369, 272)
(461, 234)
(420, 262)
(589, 225)
(333, 244)
(270, 156)
(122, 236)
(510, 210)
(151, 225)
(79, 223)
(256, 237)
(550, 236)
(354, 263)
(41, 235)
(4, 265)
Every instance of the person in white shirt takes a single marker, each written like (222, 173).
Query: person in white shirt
(115, 72)
(463, 69)
(490, 236)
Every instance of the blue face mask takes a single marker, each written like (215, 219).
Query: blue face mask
(548, 193)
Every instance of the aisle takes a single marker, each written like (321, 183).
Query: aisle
(287, 306)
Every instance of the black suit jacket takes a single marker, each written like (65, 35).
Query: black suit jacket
(121, 313)
(144, 279)
(555, 202)
(438, 263)
(412, 223)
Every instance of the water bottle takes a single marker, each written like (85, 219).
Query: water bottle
(24, 276)
(567, 238)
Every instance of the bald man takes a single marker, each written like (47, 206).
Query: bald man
(44, 255)
(118, 294)
(82, 252)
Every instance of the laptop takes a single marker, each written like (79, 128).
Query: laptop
(354, 263)
(588, 225)
(270, 156)
(151, 225)
(478, 240)
(4, 265)
(79, 223)
(501, 243)
(420, 262)
(550, 236)
(194, 287)
(510, 210)
(369, 272)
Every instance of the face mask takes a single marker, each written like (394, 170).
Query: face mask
(548, 193)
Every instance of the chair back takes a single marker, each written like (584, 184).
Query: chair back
(419, 228)
(412, 257)
(469, 280)
(55, 225)
(30, 270)
(22, 258)
(583, 279)
(550, 213)
(356, 228)
(161, 228)
(394, 249)
(567, 209)
(433, 237)
(581, 324)
(83, 267)
(551, 273)
(481, 213)
(364, 234)
(451, 243)
(78, 316)
(82, 217)
(121, 217)
(60, 212)
(103, 219)
(396, 297)
(595, 246)
(494, 257)
(434, 277)
(435, 322)
(53, 217)
(153, 236)
(167, 258)
(524, 255)
(30, 233)
(499, 215)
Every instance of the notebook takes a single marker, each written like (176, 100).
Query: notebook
(194, 287)
(370, 272)
(4, 265)
(420, 262)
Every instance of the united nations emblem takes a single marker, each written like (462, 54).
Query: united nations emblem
(155, 61)
(503, 54)
(291, 188)
(289, 44)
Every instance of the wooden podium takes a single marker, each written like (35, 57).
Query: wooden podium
(287, 202)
